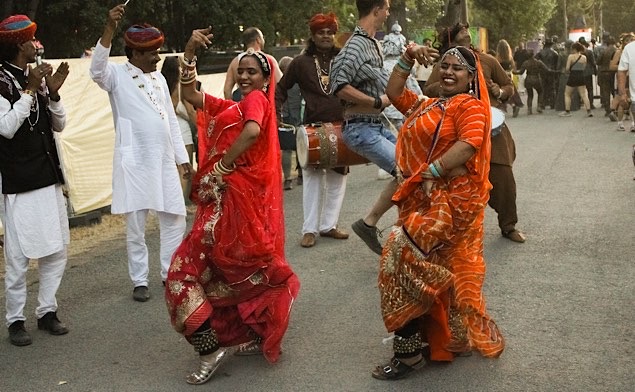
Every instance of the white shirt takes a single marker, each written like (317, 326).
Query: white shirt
(37, 218)
(627, 63)
(148, 143)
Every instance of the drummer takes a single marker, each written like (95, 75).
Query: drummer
(503, 193)
(311, 72)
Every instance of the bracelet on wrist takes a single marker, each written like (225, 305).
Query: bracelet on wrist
(29, 92)
(377, 104)
(434, 170)
(190, 62)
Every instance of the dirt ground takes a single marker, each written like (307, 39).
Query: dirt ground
(85, 238)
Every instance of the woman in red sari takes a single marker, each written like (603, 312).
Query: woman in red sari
(229, 282)
(432, 267)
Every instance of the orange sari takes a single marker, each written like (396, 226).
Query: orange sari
(432, 267)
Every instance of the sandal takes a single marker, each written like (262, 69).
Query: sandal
(514, 235)
(396, 369)
(251, 348)
(206, 369)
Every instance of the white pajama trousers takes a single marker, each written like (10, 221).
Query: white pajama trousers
(50, 269)
(171, 230)
(321, 202)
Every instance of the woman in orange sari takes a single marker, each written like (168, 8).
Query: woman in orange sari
(229, 282)
(432, 267)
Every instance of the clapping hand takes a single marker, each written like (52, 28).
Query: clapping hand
(54, 82)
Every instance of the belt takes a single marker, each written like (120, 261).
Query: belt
(370, 120)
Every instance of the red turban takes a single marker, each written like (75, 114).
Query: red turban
(17, 29)
(143, 37)
(323, 21)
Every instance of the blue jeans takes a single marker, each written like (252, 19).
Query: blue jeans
(372, 141)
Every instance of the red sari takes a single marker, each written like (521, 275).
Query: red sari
(432, 267)
(231, 267)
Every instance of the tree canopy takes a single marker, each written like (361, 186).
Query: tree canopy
(67, 27)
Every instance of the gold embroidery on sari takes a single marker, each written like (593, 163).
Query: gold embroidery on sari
(193, 301)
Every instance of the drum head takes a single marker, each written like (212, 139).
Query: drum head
(302, 146)
(498, 118)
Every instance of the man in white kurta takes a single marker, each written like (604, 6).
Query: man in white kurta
(148, 146)
(34, 210)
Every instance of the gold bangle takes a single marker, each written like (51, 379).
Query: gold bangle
(29, 92)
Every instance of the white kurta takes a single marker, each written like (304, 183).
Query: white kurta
(148, 142)
(37, 219)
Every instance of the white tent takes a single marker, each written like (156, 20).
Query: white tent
(86, 145)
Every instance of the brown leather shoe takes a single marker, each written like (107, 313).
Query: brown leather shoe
(308, 240)
(514, 235)
(335, 233)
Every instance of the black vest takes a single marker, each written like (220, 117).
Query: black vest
(29, 160)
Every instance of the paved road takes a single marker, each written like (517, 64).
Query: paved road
(564, 299)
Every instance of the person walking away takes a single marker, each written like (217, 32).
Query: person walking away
(35, 220)
(589, 70)
(148, 145)
(358, 79)
(576, 64)
(606, 76)
(229, 282)
(533, 81)
(549, 78)
(323, 189)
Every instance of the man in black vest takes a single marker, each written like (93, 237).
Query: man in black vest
(35, 219)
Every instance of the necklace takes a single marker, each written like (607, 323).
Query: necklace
(423, 110)
(323, 75)
(152, 92)
(35, 106)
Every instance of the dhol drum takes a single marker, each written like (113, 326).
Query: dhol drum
(286, 136)
(498, 119)
(321, 146)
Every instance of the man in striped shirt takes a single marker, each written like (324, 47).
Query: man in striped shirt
(359, 80)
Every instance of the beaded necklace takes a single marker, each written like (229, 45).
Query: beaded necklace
(323, 75)
(152, 92)
(35, 106)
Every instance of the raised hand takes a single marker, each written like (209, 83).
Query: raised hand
(34, 80)
(425, 55)
(55, 81)
(115, 15)
(200, 38)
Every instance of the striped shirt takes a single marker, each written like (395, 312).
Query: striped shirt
(360, 64)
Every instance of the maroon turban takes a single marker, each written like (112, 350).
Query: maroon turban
(143, 37)
(323, 21)
(17, 29)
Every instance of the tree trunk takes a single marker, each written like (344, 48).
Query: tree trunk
(451, 16)
(397, 14)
